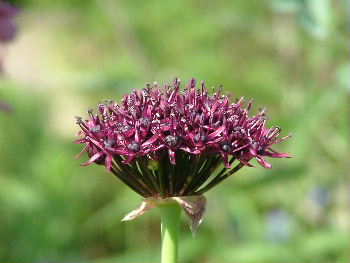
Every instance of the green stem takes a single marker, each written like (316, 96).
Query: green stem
(170, 217)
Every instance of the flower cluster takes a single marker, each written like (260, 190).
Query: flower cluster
(7, 28)
(167, 142)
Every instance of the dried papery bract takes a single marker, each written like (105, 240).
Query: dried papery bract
(194, 207)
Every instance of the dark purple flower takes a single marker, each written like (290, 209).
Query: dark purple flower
(7, 28)
(185, 133)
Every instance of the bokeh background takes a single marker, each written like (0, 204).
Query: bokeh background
(289, 55)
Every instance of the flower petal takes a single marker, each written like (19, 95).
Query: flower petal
(262, 161)
(93, 158)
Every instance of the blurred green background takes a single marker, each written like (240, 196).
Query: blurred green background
(291, 56)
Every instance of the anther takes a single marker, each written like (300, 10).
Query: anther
(109, 143)
(226, 147)
(134, 146)
(173, 141)
(95, 129)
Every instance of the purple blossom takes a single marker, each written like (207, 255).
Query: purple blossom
(187, 132)
(7, 28)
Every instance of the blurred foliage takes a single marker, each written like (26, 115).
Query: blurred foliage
(290, 55)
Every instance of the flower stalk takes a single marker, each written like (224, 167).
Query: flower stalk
(170, 219)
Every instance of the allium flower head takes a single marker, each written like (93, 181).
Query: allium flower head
(167, 142)
(7, 28)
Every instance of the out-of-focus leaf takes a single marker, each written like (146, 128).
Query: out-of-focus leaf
(286, 6)
(315, 17)
(343, 74)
